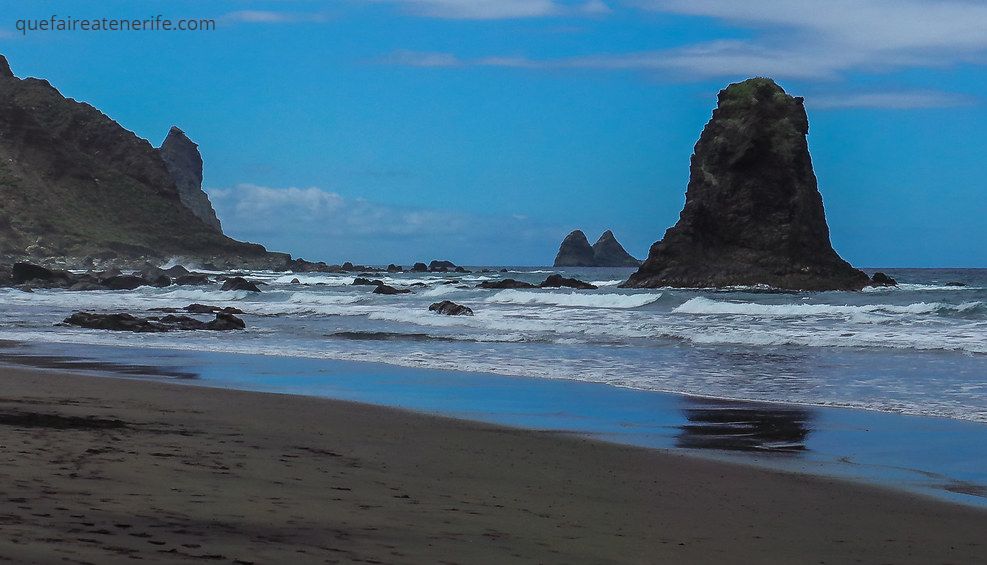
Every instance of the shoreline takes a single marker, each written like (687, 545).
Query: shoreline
(933, 457)
(165, 472)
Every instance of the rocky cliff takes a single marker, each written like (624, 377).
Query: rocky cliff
(74, 183)
(181, 157)
(753, 213)
(608, 252)
(575, 251)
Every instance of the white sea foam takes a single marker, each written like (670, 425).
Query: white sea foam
(582, 300)
(701, 306)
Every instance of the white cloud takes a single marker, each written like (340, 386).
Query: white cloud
(271, 17)
(903, 100)
(500, 9)
(789, 39)
(257, 211)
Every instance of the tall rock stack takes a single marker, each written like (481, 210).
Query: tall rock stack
(181, 156)
(753, 213)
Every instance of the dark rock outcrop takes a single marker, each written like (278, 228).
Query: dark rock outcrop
(26, 272)
(753, 214)
(181, 156)
(441, 266)
(881, 279)
(387, 289)
(239, 283)
(505, 283)
(125, 282)
(420, 268)
(575, 251)
(450, 308)
(153, 324)
(608, 252)
(360, 281)
(194, 279)
(558, 281)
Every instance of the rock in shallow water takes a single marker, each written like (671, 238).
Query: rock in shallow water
(130, 323)
(505, 283)
(558, 281)
(387, 289)
(881, 279)
(239, 283)
(450, 308)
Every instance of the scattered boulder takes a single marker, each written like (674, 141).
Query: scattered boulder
(26, 272)
(881, 279)
(753, 213)
(176, 271)
(955, 283)
(194, 279)
(225, 322)
(296, 281)
(420, 268)
(387, 289)
(450, 308)
(392, 268)
(441, 266)
(206, 309)
(360, 281)
(505, 283)
(239, 283)
(558, 281)
(125, 282)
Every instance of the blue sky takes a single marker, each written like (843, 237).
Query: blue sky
(483, 131)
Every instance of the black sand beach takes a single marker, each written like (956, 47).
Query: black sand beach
(104, 470)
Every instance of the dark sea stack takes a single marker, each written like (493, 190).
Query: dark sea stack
(882, 279)
(75, 184)
(575, 251)
(181, 156)
(608, 252)
(753, 214)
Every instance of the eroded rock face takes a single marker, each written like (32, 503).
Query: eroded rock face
(181, 156)
(753, 213)
(608, 252)
(76, 184)
(575, 251)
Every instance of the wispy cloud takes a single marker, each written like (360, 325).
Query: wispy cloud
(903, 100)
(500, 9)
(312, 221)
(272, 17)
(815, 40)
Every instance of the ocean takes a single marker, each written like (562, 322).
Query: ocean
(918, 349)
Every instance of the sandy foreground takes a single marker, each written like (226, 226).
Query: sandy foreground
(103, 470)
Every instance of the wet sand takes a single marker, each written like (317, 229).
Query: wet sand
(105, 470)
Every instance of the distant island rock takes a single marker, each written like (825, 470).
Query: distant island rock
(75, 185)
(608, 252)
(753, 213)
(576, 251)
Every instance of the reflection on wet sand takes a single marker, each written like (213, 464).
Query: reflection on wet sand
(21, 354)
(743, 426)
